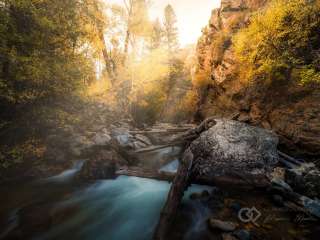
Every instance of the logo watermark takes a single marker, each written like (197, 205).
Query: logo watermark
(252, 215)
(249, 215)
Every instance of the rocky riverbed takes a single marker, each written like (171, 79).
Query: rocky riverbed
(80, 186)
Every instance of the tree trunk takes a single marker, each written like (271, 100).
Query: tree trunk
(225, 181)
(107, 59)
(126, 47)
(180, 183)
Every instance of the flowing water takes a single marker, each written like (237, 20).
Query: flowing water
(61, 207)
(170, 167)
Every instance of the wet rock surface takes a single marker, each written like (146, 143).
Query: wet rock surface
(222, 225)
(275, 222)
(305, 180)
(102, 165)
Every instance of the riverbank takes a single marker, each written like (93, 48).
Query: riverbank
(85, 198)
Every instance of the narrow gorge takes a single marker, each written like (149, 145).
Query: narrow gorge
(159, 120)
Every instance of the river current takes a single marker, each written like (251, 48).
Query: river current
(61, 207)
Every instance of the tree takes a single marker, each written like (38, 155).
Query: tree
(172, 45)
(47, 51)
(96, 8)
(137, 22)
(170, 30)
(155, 40)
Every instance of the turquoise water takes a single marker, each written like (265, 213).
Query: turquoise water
(170, 167)
(127, 208)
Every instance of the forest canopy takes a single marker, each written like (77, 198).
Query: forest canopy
(51, 49)
(46, 48)
(57, 57)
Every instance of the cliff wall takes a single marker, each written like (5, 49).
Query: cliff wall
(291, 110)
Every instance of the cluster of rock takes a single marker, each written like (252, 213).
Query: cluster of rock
(236, 215)
(228, 229)
(100, 139)
(305, 180)
(102, 165)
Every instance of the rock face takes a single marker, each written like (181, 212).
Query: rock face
(234, 147)
(291, 110)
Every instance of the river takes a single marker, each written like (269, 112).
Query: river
(62, 207)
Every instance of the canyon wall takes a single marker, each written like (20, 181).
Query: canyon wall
(291, 110)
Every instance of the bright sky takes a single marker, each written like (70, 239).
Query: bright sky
(192, 15)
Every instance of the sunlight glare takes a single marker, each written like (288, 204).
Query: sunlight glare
(192, 15)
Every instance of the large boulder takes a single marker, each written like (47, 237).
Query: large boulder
(102, 138)
(233, 147)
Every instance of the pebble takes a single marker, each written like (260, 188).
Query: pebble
(227, 236)
(222, 225)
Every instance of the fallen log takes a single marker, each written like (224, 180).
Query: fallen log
(194, 133)
(188, 136)
(290, 159)
(248, 181)
(287, 164)
(157, 147)
(146, 173)
(308, 205)
(165, 131)
(296, 201)
(180, 183)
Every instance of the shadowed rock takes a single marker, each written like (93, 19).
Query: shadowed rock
(102, 165)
